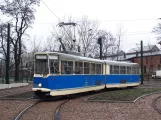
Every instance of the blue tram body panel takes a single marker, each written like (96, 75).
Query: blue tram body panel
(43, 81)
(116, 79)
(70, 81)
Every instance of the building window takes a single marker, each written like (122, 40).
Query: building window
(124, 55)
(137, 54)
(144, 69)
(146, 60)
(159, 67)
(151, 69)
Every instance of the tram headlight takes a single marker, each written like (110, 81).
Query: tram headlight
(39, 84)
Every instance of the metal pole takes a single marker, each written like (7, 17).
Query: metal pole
(100, 43)
(101, 49)
(8, 55)
(141, 59)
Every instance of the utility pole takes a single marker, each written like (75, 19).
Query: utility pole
(141, 59)
(8, 55)
(100, 43)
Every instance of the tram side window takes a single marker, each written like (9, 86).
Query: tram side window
(122, 70)
(98, 68)
(78, 67)
(138, 70)
(111, 69)
(92, 68)
(86, 68)
(67, 67)
(134, 70)
(116, 69)
(54, 66)
(128, 70)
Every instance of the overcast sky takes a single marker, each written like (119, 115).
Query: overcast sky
(137, 17)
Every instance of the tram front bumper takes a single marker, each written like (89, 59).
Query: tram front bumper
(41, 89)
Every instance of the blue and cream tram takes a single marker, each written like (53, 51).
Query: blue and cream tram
(57, 74)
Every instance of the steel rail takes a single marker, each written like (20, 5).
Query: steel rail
(25, 110)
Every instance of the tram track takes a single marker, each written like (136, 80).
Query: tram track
(58, 103)
(56, 113)
(154, 104)
(25, 110)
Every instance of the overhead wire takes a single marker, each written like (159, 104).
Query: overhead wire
(50, 10)
(101, 20)
(56, 17)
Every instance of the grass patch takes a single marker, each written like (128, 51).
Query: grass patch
(124, 94)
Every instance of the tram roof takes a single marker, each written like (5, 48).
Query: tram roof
(65, 56)
(120, 63)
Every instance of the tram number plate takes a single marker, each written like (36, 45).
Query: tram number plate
(98, 82)
(122, 81)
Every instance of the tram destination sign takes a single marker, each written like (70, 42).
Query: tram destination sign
(53, 57)
(41, 56)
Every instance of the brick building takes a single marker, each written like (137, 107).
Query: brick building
(150, 63)
(151, 57)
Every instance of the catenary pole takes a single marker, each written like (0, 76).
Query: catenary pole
(141, 59)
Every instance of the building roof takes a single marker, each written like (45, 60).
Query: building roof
(145, 48)
(128, 56)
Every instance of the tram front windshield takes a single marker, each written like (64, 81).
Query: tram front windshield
(41, 66)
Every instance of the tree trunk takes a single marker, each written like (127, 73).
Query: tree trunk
(19, 56)
(16, 65)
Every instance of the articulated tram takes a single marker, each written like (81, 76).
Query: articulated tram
(57, 74)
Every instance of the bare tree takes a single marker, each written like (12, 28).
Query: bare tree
(3, 42)
(22, 14)
(50, 44)
(109, 42)
(157, 30)
(119, 39)
(87, 34)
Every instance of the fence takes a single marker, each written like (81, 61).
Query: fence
(25, 76)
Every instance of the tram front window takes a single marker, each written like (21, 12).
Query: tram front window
(54, 66)
(41, 66)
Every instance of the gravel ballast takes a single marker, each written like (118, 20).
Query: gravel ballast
(81, 110)
(9, 109)
(78, 109)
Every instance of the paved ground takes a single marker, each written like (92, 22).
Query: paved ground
(152, 81)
